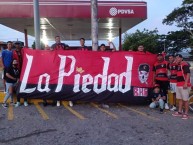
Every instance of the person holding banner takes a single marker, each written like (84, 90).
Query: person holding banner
(11, 77)
(172, 67)
(18, 55)
(103, 47)
(141, 50)
(82, 44)
(160, 75)
(58, 45)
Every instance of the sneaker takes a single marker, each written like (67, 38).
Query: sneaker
(104, 106)
(12, 103)
(54, 103)
(161, 111)
(17, 104)
(173, 108)
(166, 106)
(185, 116)
(177, 114)
(45, 103)
(70, 103)
(25, 103)
(58, 103)
(4, 105)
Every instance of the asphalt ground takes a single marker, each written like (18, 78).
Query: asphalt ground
(89, 124)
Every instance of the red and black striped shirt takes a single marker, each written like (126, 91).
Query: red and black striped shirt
(182, 71)
(173, 67)
(160, 69)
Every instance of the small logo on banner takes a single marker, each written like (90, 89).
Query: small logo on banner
(113, 11)
(143, 73)
(142, 92)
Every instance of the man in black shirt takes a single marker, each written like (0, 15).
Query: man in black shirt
(157, 98)
(11, 78)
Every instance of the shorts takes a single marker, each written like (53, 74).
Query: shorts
(182, 94)
(3, 74)
(173, 87)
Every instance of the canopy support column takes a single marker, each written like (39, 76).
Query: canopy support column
(94, 24)
(37, 24)
(26, 39)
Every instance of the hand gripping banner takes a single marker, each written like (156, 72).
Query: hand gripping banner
(86, 75)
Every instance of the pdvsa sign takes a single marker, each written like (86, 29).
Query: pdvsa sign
(114, 11)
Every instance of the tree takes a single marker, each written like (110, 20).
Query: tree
(182, 17)
(175, 41)
(149, 39)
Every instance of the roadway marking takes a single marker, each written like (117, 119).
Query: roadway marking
(41, 111)
(2, 95)
(10, 115)
(139, 112)
(105, 111)
(65, 104)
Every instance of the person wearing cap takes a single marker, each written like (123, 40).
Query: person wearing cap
(11, 78)
(17, 54)
(157, 98)
(103, 47)
(160, 75)
(183, 87)
(172, 75)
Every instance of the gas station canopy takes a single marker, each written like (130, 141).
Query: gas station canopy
(72, 19)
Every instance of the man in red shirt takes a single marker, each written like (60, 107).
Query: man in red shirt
(183, 87)
(82, 44)
(172, 67)
(160, 75)
(58, 45)
(17, 54)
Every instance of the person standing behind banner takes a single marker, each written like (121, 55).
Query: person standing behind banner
(82, 44)
(183, 87)
(103, 49)
(11, 78)
(83, 48)
(172, 67)
(141, 50)
(7, 57)
(160, 77)
(18, 54)
(58, 46)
